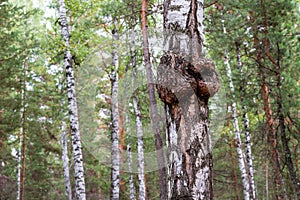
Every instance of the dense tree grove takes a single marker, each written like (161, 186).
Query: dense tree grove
(149, 99)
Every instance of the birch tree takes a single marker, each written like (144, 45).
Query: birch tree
(249, 157)
(22, 140)
(139, 126)
(72, 105)
(65, 160)
(238, 141)
(115, 157)
(186, 81)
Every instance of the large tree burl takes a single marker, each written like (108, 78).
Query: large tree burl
(180, 76)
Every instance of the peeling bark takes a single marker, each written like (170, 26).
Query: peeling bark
(115, 157)
(186, 80)
(73, 110)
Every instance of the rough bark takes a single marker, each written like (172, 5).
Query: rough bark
(73, 110)
(238, 141)
(153, 106)
(186, 80)
(115, 157)
(65, 160)
(249, 157)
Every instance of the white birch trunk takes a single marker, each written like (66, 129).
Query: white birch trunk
(115, 157)
(139, 128)
(132, 193)
(19, 166)
(238, 142)
(249, 157)
(186, 80)
(73, 110)
(140, 149)
(21, 138)
(65, 160)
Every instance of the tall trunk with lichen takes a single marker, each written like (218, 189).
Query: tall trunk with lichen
(73, 110)
(186, 81)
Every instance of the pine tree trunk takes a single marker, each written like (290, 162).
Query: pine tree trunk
(186, 80)
(282, 128)
(65, 160)
(115, 157)
(153, 106)
(264, 47)
(279, 187)
(73, 110)
(249, 157)
(238, 141)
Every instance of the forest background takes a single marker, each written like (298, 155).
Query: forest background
(254, 44)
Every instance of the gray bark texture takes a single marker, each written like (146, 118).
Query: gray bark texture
(186, 81)
(65, 159)
(73, 110)
(115, 157)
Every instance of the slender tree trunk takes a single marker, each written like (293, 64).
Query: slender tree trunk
(132, 193)
(22, 143)
(249, 157)
(153, 106)
(115, 157)
(186, 80)
(19, 165)
(267, 180)
(238, 141)
(73, 110)
(284, 140)
(140, 146)
(280, 191)
(65, 160)
(139, 128)
(233, 163)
